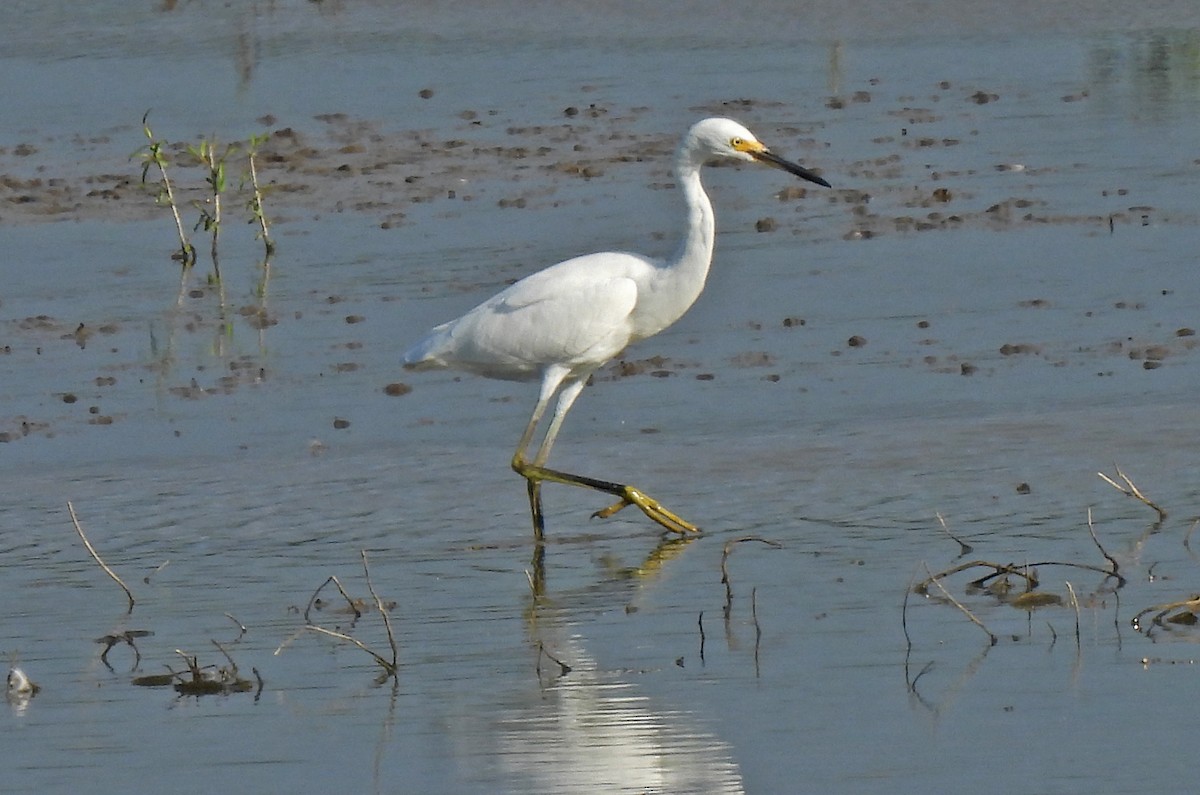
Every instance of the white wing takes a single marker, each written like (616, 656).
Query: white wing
(575, 313)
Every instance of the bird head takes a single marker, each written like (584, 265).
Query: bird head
(725, 138)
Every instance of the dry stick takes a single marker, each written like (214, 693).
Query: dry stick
(383, 611)
(332, 578)
(1074, 601)
(960, 606)
(92, 550)
(387, 666)
(1115, 566)
(963, 547)
(725, 558)
(1130, 490)
(390, 667)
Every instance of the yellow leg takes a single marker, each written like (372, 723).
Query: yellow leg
(628, 495)
(535, 473)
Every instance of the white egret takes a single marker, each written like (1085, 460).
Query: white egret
(558, 325)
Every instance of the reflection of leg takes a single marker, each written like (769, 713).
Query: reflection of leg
(535, 507)
(537, 578)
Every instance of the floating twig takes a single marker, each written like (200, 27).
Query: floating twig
(700, 622)
(96, 556)
(1130, 490)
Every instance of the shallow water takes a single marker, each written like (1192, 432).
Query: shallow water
(1015, 334)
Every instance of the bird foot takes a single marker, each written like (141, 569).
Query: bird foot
(652, 508)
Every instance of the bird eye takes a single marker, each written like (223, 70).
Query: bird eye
(736, 143)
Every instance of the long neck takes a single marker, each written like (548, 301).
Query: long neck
(695, 251)
(681, 280)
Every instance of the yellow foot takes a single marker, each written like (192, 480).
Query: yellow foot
(652, 508)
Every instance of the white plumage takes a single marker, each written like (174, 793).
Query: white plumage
(558, 325)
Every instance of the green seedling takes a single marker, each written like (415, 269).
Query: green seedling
(152, 155)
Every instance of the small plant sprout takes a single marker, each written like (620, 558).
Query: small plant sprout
(255, 202)
(153, 156)
(212, 158)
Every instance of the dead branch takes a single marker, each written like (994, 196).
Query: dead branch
(383, 611)
(96, 556)
(1130, 490)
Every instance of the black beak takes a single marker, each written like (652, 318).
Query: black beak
(788, 166)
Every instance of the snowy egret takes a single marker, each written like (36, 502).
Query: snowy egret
(558, 325)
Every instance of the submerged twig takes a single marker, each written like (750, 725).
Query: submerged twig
(1130, 490)
(96, 556)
